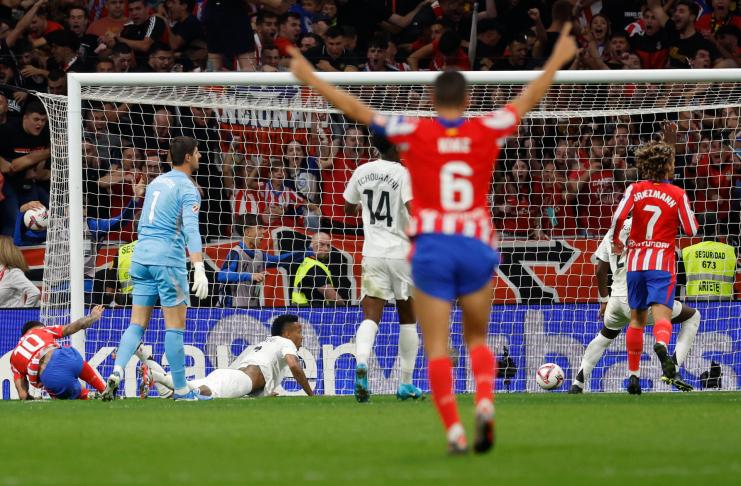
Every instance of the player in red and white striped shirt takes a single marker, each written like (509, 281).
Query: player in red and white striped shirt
(658, 208)
(39, 360)
(451, 162)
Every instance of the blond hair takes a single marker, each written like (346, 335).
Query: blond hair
(655, 161)
(10, 255)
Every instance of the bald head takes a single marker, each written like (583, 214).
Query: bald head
(321, 245)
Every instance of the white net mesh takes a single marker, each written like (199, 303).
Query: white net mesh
(281, 154)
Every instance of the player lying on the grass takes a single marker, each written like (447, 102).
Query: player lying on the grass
(259, 372)
(382, 191)
(615, 313)
(658, 208)
(40, 360)
(451, 162)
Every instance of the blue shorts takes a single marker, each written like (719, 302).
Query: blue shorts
(450, 266)
(170, 284)
(60, 377)
(651, 287)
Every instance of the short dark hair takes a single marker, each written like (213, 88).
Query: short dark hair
(249, 220)
(136, 1)
(121, 48)
(380, 41)
(159, 47)
(282, 19)
(263, 15)
(450, 89)
(334, 32)
(692, 6)
(30, 325)
(449, 43)
(729, 29)
(384, 147)
(55, 75)
(562, 10)
(34, 106)
(281, 322)
(486, 25)
(620, 33)
(180, 147)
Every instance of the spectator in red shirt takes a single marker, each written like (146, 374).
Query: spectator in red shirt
(513, 213)
(41, 25)
(708, 25)
(289, 28)
(557, 207)
(727, 40)
(445, 53)
(278, 205)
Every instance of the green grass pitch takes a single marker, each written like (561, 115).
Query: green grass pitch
(667, 439)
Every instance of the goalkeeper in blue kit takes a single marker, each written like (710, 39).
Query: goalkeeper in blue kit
(169, 221)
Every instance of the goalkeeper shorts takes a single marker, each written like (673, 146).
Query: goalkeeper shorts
(170, 284)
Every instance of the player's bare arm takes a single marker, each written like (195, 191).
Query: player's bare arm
(95, 314)
(352, 209)
(21, 386)
(563, 51)
(344, 101)
(294, 364)
(603, 288)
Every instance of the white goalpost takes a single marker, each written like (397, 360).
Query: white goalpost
(277, 151)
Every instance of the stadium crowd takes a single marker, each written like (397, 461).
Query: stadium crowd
(560, 179)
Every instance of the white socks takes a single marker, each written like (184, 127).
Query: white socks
(686, 337)
(364, 339)
(408, 348)
(595, 349)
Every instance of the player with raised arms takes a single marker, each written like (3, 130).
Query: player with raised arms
(382, 191)
(658, 208)
(451, 162)
(168, 221)
(39, 360)
(615, 314)
(259, 371)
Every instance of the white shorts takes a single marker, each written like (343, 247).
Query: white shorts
(386, 278)
(617, 313)
(225, 383)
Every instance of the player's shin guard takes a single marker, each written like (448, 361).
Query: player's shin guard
(663, 331)
(408, 349)
(364, 339)
(634, 346)
(91, 377)
(176, 357)
(127, 347)
(686, 337)
(441, 386)
(483, 367)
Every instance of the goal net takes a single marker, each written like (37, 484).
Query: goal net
(275, 161)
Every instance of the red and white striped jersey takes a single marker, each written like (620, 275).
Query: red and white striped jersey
(270, 196)
(658, 209)
(451, 164)
(245, 201)
(25, 358)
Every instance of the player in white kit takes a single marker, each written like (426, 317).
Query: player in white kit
(382, 191)
(615, 313)
(258, 373)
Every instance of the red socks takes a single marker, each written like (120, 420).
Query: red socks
(634, 346)
(441, 385)
(663, 331)
(92, 378)
(484, 370)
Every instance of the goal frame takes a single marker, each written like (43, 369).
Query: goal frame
(76, 81)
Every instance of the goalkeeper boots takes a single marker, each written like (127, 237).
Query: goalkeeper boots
(484, 439)
(678, 383)
(146, 380)
(634, 385)
(191, 396)
(362, 393)
(111, 387)
(667, 365)
(407, 390)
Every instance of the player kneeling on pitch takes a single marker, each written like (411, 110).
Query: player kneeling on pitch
(258, 373)
(615, 313)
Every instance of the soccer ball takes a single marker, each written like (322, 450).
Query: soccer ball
(549, 376)
(36, 219)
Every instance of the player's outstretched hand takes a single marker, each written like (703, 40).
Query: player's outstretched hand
(565, 48)
(300, 67)
(96, 313)
(200, 282)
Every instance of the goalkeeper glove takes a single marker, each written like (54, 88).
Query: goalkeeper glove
(200, 282)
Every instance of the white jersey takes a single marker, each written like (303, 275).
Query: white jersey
(618, 267)
(382, 188)
(270, 356)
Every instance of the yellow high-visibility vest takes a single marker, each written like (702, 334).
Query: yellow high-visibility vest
(125, 252)
(298, 297)
(711, 270)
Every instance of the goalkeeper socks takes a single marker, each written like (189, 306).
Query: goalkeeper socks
(91, 377)
(176, 357)
(364, 339)
(686, 337)
(663, 331)
(441, 386)
(408, 348)
(595, 349)
(483, 367)
(634, 346)
(126, 348)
